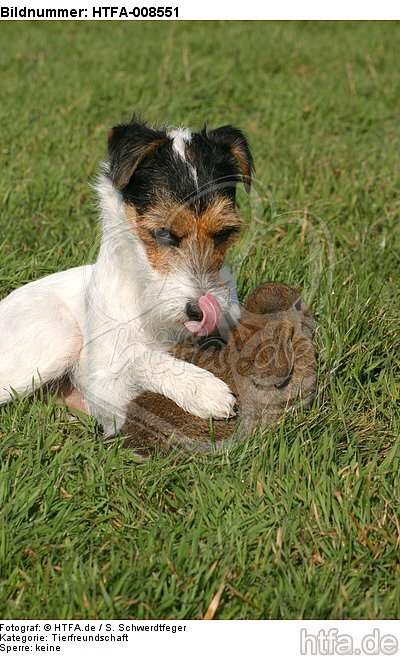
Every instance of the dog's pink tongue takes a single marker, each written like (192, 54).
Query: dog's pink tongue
(212, 314)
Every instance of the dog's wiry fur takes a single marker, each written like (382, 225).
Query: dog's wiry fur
(167, 209)
(268, 362)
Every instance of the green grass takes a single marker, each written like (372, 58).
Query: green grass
(301, 521)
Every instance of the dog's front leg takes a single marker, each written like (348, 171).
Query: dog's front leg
(107, 390)
(194, 389)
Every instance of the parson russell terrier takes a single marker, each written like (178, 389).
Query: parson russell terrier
(167, 209)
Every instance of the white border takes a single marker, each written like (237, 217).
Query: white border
(218, 9)
(180, 638)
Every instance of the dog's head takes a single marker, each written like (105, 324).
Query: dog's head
(178, 190)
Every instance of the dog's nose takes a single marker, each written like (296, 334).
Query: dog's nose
(193, 311)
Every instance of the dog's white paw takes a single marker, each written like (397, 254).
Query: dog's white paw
(208, 395)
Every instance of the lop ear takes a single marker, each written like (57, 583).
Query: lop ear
(235, 142)
(128, 145)
(272, 297)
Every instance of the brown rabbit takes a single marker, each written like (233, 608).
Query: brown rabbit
(268, 362)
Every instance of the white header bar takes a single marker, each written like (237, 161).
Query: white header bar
(198, 10)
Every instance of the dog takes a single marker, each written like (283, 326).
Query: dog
(168, 215)
(269, 363)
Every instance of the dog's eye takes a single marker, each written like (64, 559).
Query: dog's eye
(223, 235)
(165, 237)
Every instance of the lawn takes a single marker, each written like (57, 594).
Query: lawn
(298, 522)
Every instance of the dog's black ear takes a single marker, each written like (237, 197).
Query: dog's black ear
(235, 142)
(128, 145)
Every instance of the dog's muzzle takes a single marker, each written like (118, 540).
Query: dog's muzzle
(204, 316)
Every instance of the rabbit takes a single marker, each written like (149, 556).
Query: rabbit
(268, 362)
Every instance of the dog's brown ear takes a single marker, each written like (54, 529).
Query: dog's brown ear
(128, 145)
(235, 142)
